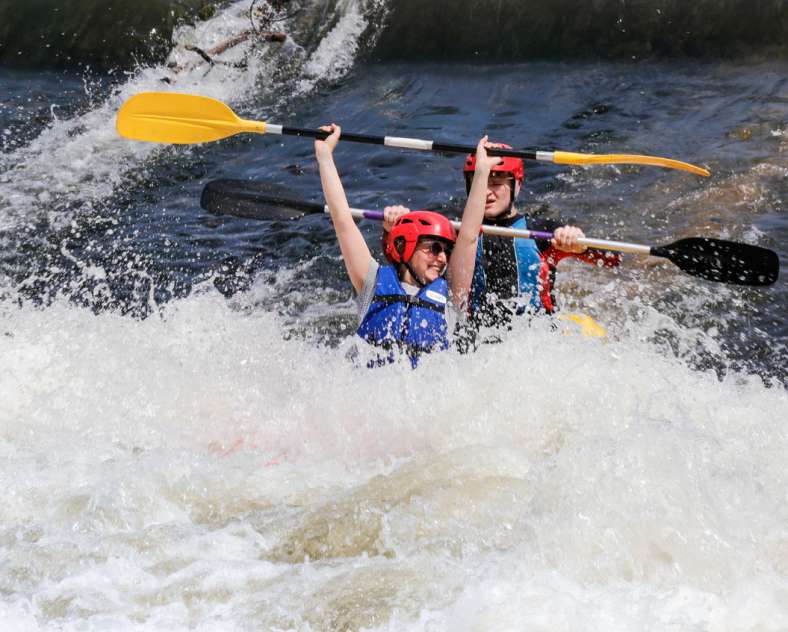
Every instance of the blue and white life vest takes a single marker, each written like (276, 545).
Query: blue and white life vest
(528, 265)
(397, 321)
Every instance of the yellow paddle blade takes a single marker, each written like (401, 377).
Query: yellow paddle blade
(569, 158)
(588, 326)
(168, 117)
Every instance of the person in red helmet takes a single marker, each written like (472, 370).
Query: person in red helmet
(517, 276)
(403, 306)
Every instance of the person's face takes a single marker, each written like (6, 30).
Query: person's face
(430, 258)
(499, 195)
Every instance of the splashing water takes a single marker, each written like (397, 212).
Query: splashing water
(234, 476)
(222, 465)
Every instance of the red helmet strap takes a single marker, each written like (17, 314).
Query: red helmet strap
(514, 195)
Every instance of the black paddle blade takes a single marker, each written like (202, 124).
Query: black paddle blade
(723, 261)
(253, 200)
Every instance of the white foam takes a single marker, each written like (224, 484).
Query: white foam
(181, 469)
(337, 51)
(75, 163)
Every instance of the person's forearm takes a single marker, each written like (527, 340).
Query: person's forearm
(464, 256)
(473, 215)
(334, 193)
(351, 242)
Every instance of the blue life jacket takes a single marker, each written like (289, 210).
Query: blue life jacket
(398, 321)
(528, 264)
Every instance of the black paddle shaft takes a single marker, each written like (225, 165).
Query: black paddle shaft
(381, 140)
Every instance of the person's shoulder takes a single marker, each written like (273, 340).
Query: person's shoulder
(371, 277)
(364, 297)
(374, 268)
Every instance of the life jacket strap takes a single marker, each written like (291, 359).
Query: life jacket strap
(410, 301)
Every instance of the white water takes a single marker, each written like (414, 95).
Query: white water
(77, 162)
(196, 471)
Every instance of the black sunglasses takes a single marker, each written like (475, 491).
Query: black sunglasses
(437, 247)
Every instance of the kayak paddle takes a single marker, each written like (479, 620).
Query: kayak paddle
(711, 259)
(169, 117)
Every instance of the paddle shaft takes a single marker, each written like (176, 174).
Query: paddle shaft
(711, 259)
(409, 143)
(496, 231)
(555, 157)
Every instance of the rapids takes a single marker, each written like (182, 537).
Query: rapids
(184, 444)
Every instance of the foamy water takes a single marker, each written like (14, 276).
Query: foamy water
(216, 467)
(196, 471)
(93, 162)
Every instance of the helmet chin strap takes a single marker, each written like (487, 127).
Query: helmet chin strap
(510, 209)
(401, 249)
(414, 275)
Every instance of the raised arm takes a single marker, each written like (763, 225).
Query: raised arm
(463, 259)
(352, 245)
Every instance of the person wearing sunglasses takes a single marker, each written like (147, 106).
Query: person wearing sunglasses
(403, 306)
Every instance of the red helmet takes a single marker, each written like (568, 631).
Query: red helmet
(509, 164)
(408, 229)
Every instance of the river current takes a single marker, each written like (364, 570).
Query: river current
(185, 445)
